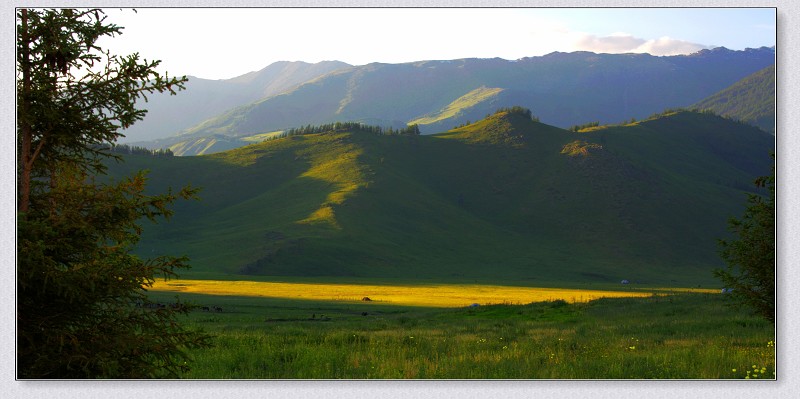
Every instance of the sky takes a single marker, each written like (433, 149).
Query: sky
(221, 43)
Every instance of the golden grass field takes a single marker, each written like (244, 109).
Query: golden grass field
(438, 295)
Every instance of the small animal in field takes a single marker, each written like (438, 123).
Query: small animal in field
(366, 299)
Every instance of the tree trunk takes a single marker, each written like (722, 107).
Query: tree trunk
(23, 123)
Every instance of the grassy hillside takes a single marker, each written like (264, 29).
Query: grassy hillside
(212, 144)
(751, 100)
(504, 199)
(457, 107)
(206, 145)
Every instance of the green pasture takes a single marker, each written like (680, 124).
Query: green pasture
(679, 336)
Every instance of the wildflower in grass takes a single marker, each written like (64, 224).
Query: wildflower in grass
(770, 344)
(734, 370)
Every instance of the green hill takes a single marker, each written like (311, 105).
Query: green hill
(504, 199)
(751, 100)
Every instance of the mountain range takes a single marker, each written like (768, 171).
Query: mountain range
(203, 98)
(561, 88)
(505, 198)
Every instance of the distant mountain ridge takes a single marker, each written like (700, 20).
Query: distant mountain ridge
(561, 88)
(204, 98)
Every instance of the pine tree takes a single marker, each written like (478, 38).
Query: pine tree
(82, 310)
(750, 256)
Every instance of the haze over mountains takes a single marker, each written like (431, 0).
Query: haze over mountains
(203, 98)
(562, 89)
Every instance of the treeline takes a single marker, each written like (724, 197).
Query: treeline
(511, 110)
(519, 111)
(410, 130)
(136, 150)
(577, 128)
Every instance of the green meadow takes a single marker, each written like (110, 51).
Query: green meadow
(676, 336)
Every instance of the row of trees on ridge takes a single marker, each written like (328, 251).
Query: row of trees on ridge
(410, 130)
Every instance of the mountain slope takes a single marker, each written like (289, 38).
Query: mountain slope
(750, 100)
(459, 106)
(504, 199)
(561, 88)
(206, 145)
(167, 115)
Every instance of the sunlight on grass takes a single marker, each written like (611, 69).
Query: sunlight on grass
(580, 148)
(468, 100)
(409, 295)
(341, 171)
(257, 138)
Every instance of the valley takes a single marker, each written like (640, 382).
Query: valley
(502, 193)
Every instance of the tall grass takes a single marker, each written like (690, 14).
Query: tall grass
(682, 336)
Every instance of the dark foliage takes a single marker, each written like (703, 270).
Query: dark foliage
(751, 254)
(519, 111)
(410, 130)
(80, 291)
(136, 150)
(82, 306)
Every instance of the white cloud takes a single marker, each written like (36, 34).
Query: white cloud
(223, 43)
(669, 46)
(626, 43)
(617, 43)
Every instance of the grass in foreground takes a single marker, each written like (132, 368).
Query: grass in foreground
(680, 336)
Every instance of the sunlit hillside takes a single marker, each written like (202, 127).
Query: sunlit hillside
(751, 100)
(504, 199)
